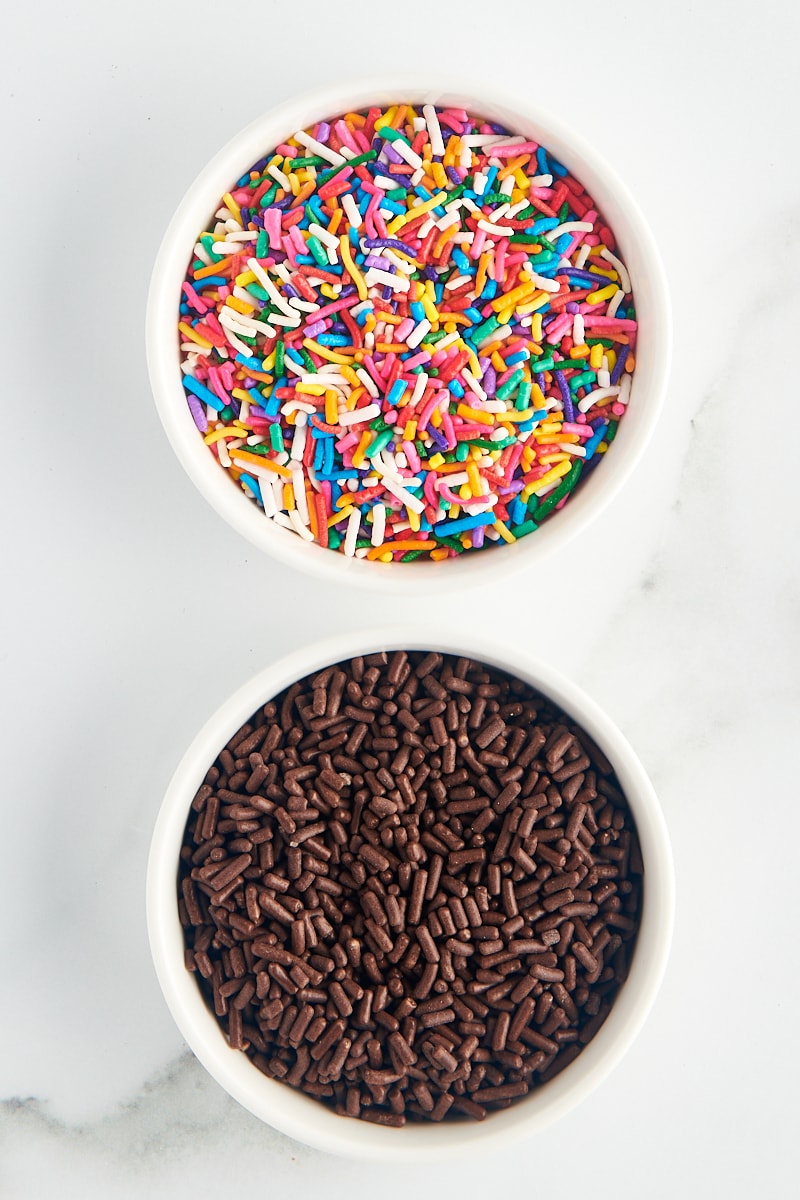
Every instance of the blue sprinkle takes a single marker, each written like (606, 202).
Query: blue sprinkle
(202, 393)
(455, 387)
(254, 488)
(253, 364)
(447, 528)
(396, 393)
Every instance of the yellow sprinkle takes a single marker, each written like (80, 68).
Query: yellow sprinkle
(410, 432)
(326, 352)
(474, 479)
(331, 406)
(516, 415)
(310, 389)
(536, 327)
(239, 305)
(343, 514)
(602, 447)
(414, 520)
(232, 206)
(555, 473)
(465, 493)
(611, 356)
(439, 174)
(436, 199)
(483, 268)
(288, 497)
(440, 554)
(522, 180)
(454, 511)
(351, 268)
(596, 357)
(430, 310)
(354, 397)
(241, 394)
(475, 414)
(187, 331)
(498, 362)
(216, 434)
(604, 294)
(327, 291)
(518, 295)
(361, 449)
(554, 458)
(244, 278)
(350, 376)
(504, 531)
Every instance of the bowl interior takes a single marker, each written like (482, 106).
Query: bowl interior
(638, 250)
(300, 1116)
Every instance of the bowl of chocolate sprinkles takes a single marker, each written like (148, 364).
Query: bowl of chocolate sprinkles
(408, 893)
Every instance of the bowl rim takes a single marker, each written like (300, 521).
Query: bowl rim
(162, 347)
(305, 1119)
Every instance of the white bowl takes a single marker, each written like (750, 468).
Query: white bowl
(615, 203)
(307, 1119)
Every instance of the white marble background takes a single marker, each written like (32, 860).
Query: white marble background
(129, 610)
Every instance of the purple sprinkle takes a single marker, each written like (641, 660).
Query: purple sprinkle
(290, 291)
(566, 396)
(586, 276)
(572, 307)
(323, 131)
(453, 175)
(477, 537)
(312, 330)
(484, 363)
(619, 365)
(490, 381)
(387, 293)
(198, 412)
(383, 264)
(389, 244)
(391, 153)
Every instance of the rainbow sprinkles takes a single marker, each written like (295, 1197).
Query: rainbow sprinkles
(407, 334)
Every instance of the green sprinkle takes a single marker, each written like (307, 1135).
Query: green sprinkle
(546, 363)
(555, 497)
(435, 337)
(526, 527)
(318, 251)
(510, 384)
(334, 538)
(609, 345)
(325, 176)
(410, 555)
(381, 441)
(398, 193)
(611, 432)
(585, 379)
(226, 413)
(291, 164)
(308, 360)
(255, 289)
(207, 241)
(494, 198)
(563, 212)
(523, 395)
(462, 452)
(262, 242)
(483, 331)
(280, 354)
(269, 196)
(276, 438)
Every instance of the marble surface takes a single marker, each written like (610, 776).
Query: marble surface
(129, 610)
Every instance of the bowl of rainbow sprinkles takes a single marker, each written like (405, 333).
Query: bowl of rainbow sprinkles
(394, 333)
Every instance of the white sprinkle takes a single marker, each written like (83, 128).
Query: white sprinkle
(292, 318)
(615, 302)
(604, 378)
(417, 177)
(583, 254)
(281, 518)
(299, 527)
(195, 349)
(402, 148)
(418, 333)
(279, 178)
(268, 496)
(426, 227)
(292, 406)
(473, 384)
(452, 284)
(305, 139)
(420, 385)
(452, 481)
(384, 183)
(224, 456)
(598, 394)
(378, 523)
(419, 124)
(450, 218)
(291, 365)
(324, 235)
(500, 230)
(351, 209)
(402, 265)
(299, 439)
(326, 377)
(398, 283)
(625, 389)
(201, 253)
(578, 330)
(299, 490)
(269, 287)
(448, 341)
(303, 305)
(569, 227)
(497, 336)
(479, 182)
(353, 526)
(368, 382)
(621, 269)
(360, 414)
(411, 502)
(572, 448)
(542, 181)
(544, 284)
(434, 129)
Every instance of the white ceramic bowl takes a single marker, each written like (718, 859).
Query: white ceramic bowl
(638, 250)
(306, 1119)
